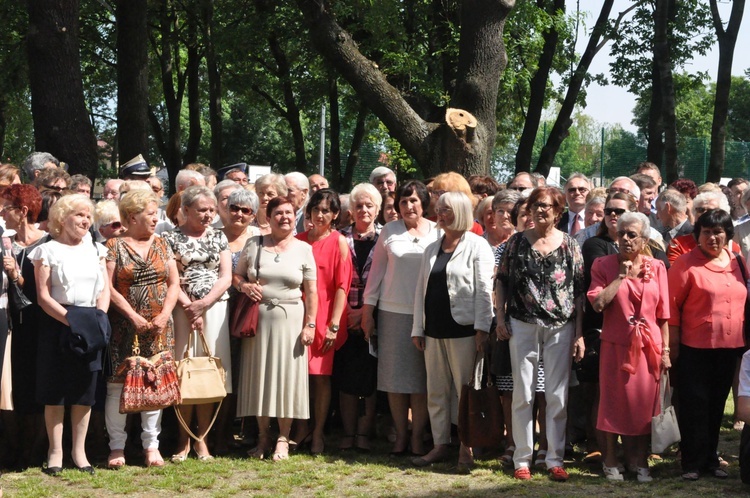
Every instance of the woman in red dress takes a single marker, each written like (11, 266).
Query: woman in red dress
(631, 289)
(334, 267)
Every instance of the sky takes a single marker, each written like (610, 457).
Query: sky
(611, 104)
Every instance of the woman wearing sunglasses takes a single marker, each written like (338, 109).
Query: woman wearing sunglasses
(107, 224)
(241, 206)
(630, 289)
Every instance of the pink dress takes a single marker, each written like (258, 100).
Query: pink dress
(334, 272)
(631, 346)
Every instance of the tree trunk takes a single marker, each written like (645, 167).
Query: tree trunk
(132, 78)
(3, 125)
(193, 92)
(335, 125)
(357, 138)
(727, 41)
(538, 91)
(665, 10)
(435, 146)
(655, 137)
(61, 124)
(560, 130)
(214, 87)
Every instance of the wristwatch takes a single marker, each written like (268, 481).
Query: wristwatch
(311, 325)
(334, 328)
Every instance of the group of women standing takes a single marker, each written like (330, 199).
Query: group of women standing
(417, 294)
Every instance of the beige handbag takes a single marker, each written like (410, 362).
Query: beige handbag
(664, 428)
(201, 382)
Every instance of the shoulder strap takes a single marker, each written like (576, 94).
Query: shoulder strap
(741, 263)
(257, 260)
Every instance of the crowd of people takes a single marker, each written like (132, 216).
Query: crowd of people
(379, 301)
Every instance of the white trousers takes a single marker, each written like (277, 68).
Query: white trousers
(449, 364)
(150, 422)
(528, 343)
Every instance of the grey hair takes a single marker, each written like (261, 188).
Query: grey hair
(596, 201)
(635, 191)
(674, 198)
(299, 180)
(635, 217)
(460, 203)
(187, 176)
(507, 195)
(367, 190)
(76, 180)
(224, 185)
(580, 176)
(243, 197)
(380, 171)
(191, 194)
(36, 161)
(704, 197)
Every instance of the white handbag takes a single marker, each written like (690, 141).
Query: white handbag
(664, 429)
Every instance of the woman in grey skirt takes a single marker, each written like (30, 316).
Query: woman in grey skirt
(391, 287)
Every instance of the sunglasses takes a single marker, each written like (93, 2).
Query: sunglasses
(518, 189)
(700, 210)
(115, 225)
(54, 187)
(611, 211)
(234, 208)
(573, 190)
(624, 234)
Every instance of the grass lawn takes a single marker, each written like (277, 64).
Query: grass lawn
(375, 474)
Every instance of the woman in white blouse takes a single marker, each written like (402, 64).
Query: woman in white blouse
(391, 286)
(70, 275)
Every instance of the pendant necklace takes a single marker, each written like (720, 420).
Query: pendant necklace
(277, 258)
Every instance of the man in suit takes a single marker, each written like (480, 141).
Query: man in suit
(576, 189)
(671, 209)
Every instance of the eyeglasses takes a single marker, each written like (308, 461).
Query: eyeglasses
(616, 211)
(541, 205)
(624, 234)
(444, 210)
(234, 208)
(614, 190)
(54, 187)
(115, 225)
(700, 210)
(156, 190)
(437, 193)
(573, 190)
(6, 208)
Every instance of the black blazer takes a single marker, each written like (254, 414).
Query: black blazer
(685, 229)
(87, 336)
(562, 225)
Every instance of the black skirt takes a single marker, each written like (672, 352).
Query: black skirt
(63, 378)
(355, 370)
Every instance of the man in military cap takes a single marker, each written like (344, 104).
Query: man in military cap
(135, 169)
(235, 172)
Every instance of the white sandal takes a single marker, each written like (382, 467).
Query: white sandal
(643, 474)
(612, 473)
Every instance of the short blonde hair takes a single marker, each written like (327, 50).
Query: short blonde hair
(105, 212)
(135, 202)
(272, 179)
(460, 204)
(366, 190)
(132, 185)
(482, 207)
(63, 208)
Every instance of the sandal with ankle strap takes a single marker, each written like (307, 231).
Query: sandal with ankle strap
(281, 455)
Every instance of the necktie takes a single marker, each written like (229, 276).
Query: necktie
(576, 225)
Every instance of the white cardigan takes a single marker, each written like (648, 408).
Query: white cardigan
(469, 276)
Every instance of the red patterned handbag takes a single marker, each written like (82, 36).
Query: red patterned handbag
(150, 383)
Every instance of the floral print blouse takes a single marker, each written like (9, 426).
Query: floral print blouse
(197, 260)
(542, 289)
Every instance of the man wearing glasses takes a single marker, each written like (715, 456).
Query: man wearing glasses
(522, 181)
(384, 179)
(576, 189)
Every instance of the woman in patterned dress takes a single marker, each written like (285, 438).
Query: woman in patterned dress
(540, 278)
(143, 285)
(205, 267)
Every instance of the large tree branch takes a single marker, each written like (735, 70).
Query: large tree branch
(385, 101)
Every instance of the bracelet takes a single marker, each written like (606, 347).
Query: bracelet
(15, 280)
(665, 350)
(239, 286)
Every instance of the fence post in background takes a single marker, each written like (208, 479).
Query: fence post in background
(705, 171)
(601, 161)
(322, 159)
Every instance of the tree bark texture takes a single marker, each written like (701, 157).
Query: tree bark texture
(655, 137)
(665, 10)
(195, 131)
(357, 138)
(61, 122)
(727, 41)
(334, 156)
(132, 77)
(214, 87)
(538, 90)
(561, 128)
(435, 146)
